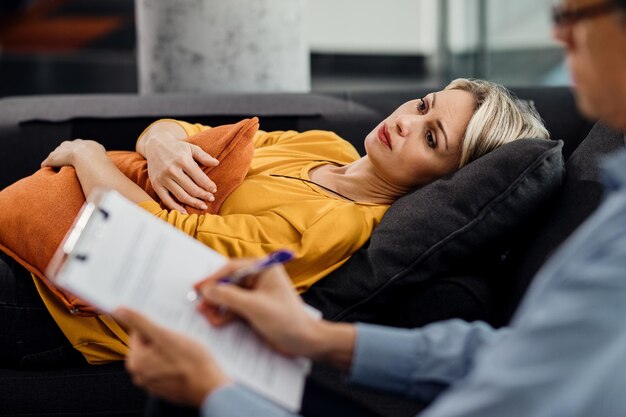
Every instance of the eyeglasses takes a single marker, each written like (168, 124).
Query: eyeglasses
(561, 16)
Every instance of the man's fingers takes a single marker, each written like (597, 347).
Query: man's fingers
(138, 324)
(223, 272)
(216, 316)
(232, 297)
(213, 308)
(143, 358)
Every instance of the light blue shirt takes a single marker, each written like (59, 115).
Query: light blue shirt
(564, 353)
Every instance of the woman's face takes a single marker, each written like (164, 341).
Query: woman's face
(421, 140)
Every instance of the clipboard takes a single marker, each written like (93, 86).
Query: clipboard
(118, 254)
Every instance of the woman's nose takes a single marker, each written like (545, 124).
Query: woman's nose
(405, 123)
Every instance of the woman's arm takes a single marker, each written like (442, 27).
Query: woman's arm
(174, 165)
(94, 169)
(160, 130)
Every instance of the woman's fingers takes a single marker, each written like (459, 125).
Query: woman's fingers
(178, 192)
(174, 166)
(66, 152)
(187, 191)
(203, 157)
(187, 183)
(202, 180)
(167, 199)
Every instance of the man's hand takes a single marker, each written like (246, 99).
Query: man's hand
(168, 364)
(269, 304)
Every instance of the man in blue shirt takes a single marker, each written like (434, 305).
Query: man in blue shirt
(564, 353)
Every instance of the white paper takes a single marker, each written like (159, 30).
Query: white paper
(126, 257)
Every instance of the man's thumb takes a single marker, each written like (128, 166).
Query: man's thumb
(136, 322)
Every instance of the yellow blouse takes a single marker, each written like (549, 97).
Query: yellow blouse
(272, 209)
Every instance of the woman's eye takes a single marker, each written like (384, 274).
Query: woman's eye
(421, 105)
(430, 140)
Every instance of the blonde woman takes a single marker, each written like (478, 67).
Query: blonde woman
(309, 192)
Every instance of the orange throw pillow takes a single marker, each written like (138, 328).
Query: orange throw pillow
(37, 211)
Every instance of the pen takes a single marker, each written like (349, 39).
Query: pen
(236, 278)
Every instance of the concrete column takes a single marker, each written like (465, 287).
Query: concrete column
(200, 46)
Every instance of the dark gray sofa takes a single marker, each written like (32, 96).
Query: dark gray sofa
(30, 127)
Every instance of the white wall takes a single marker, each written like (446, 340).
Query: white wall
(410, 26)
(371, 26)
(520, 23)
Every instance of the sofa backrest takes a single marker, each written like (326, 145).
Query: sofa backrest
(579, 196)
(31, 127)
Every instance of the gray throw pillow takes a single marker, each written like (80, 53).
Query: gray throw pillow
(444, 228)
(434, 228)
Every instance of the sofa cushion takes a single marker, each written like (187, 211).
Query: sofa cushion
(38, 210)
(456, 226)
(85, 391)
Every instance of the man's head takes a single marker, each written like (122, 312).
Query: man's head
(593, 33)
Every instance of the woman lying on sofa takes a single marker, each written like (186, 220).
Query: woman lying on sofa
(308, 192)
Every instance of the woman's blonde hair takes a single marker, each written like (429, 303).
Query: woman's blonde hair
(498, 118)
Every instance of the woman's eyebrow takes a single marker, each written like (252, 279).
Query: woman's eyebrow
(439, 125)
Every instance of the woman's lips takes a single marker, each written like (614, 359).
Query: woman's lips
(384, 136)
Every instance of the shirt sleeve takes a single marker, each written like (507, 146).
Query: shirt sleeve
(261, 137)
(189, 128)
(237, 401)
(418, 363)
(564, 354)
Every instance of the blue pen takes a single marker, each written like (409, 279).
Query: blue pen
(236, 278)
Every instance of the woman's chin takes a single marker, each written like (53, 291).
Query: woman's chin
(369, 142)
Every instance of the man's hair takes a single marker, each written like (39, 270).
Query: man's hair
(498, 118)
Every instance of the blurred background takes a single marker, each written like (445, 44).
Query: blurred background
(91, 46)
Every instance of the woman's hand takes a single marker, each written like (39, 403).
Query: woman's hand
(69, 151)
(269, 304)
(168, 364)
(174, 171)
(94, 169)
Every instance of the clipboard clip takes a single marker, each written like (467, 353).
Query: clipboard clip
(66, 248)
(81, 222)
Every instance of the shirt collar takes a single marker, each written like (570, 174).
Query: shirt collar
(613, 168)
